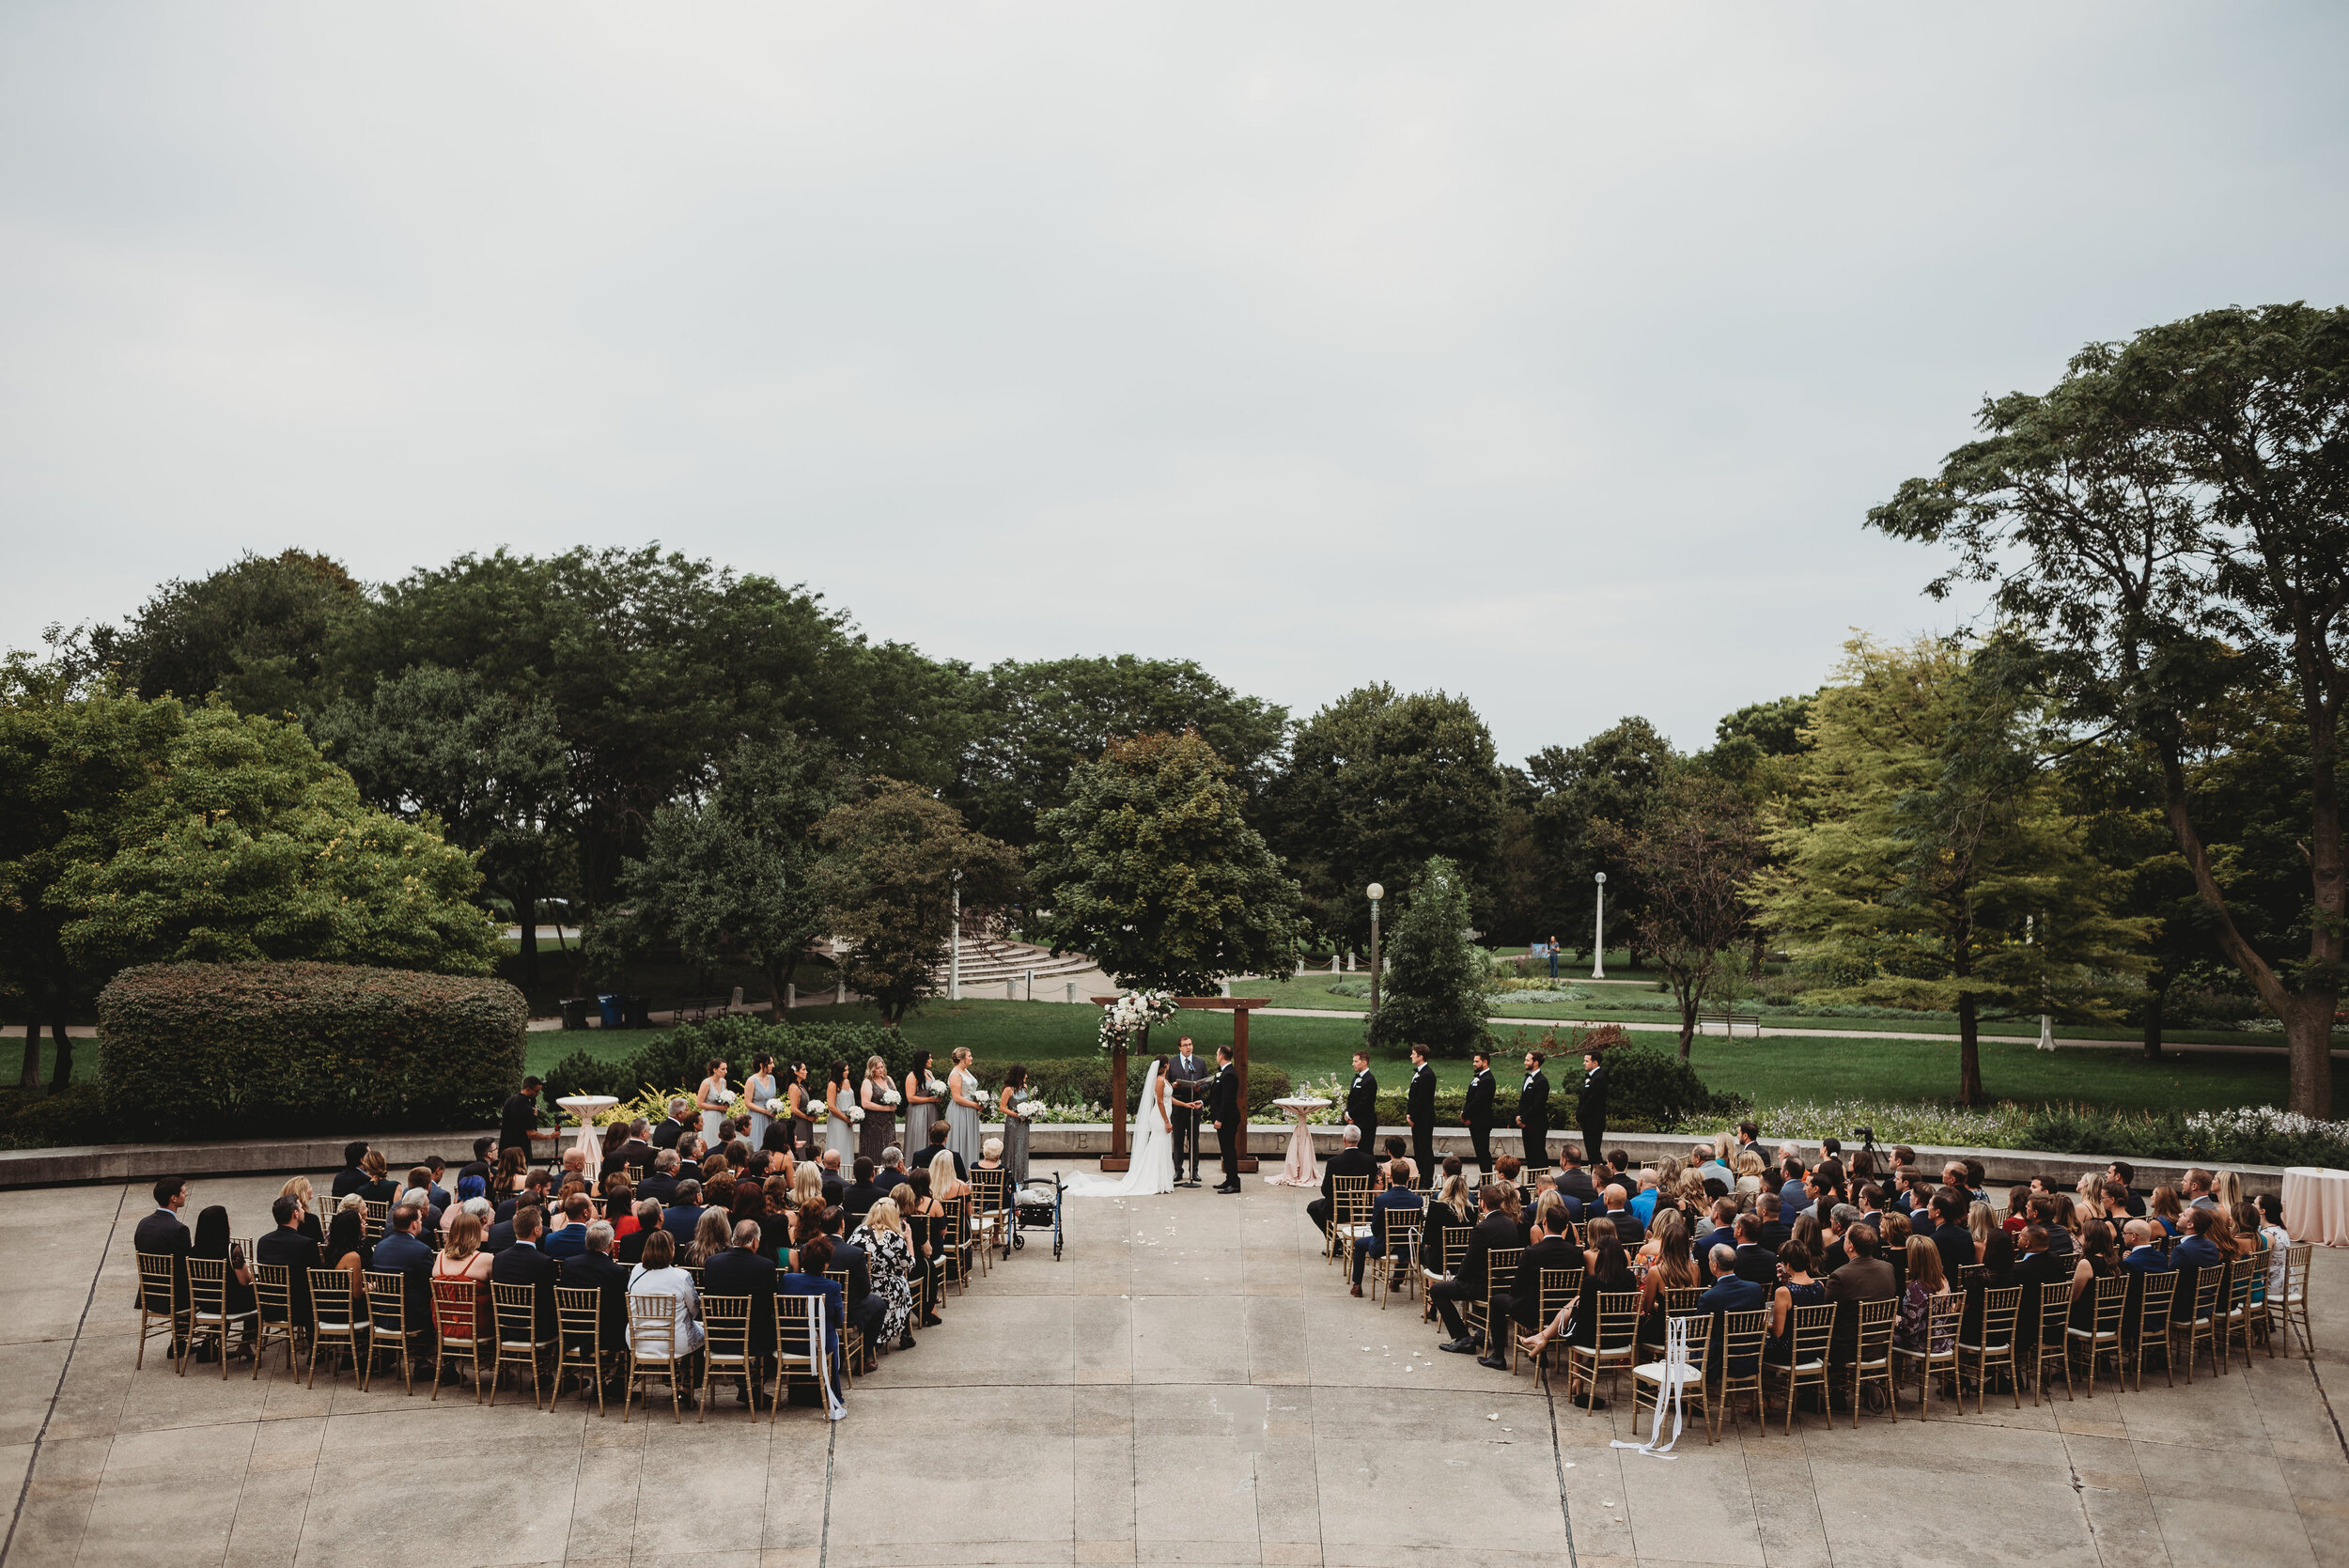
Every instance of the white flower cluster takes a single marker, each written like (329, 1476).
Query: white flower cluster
(1123, 1020)
(2263, 1121)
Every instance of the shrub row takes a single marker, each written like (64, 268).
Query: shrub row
(257, 1050)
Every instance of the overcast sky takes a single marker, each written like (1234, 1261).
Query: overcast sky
(1548, 353)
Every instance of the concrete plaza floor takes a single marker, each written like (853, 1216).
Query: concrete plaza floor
(1189, 1383)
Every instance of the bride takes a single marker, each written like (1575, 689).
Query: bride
(1151, 1169)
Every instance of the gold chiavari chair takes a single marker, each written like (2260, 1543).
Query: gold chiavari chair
(2265, 1262)
(1558, 1287)
(1743, 1336)
(1944, 1315)
(2108, 1301)
(387, 1306)
(2234, 1321)
(161, 1299)
(1501, 1270)
(463, 1329)
(2001, 1315)
(955, 1242)
(578, 1340)
(515, 1310)
(2199, 1326)
(1871, 1356)
(337, 1319)
(377, 1218)
(2054, 1347)
(800, 1336)
(1349, 1215)
(273, 1301)
(656, 1349)
(853, 1350)
(726, 1349)
(990, 1205)
(2156, 1296)
(1809, 1330)
(2292, 1305)
(208, 1316)
(1455, 1242)
(1615, 1346)
(1649, 1377)
(1393, 1266)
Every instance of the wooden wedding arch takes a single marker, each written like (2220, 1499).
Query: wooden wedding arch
(1239, 1007)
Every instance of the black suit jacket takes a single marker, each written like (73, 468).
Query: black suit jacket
(162, 1231)
(523, 1263)
(600, 1272)
(1533, 1104)
(666, 1132)
(500, 1238)
(1495, 1230)
(835, 1187)
(849, 1255)
(659, 1188)
(634, 1153)
(1759, 1265)
(962, 1170)
(861, 1196)
(1224, 1096)
(1592, 1107)
(1479, 1110)
(1704, 1245)
(1525, 1292)
(405, 1255)
(1361, 1104)
(1627, 1227)
(299, 1254)
(348, 1182)
(736, 1272)
(1420, 1103)
(1188, 1082)
(1346, 1162)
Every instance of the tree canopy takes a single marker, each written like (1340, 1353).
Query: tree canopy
(1434, 993)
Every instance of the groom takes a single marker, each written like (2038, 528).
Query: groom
(1223, 1108)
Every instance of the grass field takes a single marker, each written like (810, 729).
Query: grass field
(1821, 1067)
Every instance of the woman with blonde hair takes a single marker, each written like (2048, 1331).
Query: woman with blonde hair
(966, 1112)
(944, 1184)
(301, 1193)
(1981, 1222)
(1750, 1169)
(712, 1235)
(891, 1259)
(807, 1181)
(1925, 1281)
(1452, 1206)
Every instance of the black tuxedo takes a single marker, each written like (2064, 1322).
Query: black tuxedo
(523, 1263)
(1420, 1106)
(1185, 1080)
(1591, 1111)
(162, 1231)
(1345, 1162)
(1469, 1284)
(666, 1133)
(1224, 1111)
(599, 1271)
(298, 1254)
(1479, 1116)
(1361, 1105)
(737, 1272)
(1534, 1119)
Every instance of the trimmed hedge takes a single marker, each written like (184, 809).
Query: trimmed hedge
(257, 1050)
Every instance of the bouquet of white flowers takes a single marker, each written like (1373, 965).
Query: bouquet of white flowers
(777, 1106)
(723, 1097)
(856, 1115)
(933, 1088)
(890, 1098)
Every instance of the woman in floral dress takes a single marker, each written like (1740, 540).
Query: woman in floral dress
(888, 1255)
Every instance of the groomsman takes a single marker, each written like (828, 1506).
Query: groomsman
(1533, 1113)
(1420, 1110)
(1592, 1107)
(1480, 1112)
(1361, 1100)
(1224, 1107)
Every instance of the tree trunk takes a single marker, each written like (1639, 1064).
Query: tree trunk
(526, 917)
(1688, 1020)
(29, 1071)
(2153, 1000)
(61, 1066)
(1968, 1053)
(2309, 1034)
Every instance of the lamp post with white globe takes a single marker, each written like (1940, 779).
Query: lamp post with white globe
(1599, 940)
(1376, 892)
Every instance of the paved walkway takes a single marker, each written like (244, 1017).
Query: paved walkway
(1190, 1382)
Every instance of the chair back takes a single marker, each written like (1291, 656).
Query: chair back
(1618, 1318)
(516, 1309)
(1350, 1200)
(272, 1291)
(1501, 1267)
(726, 1328)
(1943, 1316)
(1681, 1300)
(159, 1281)
(2055, 1312)
(1742, 1335)
(2111, 1301)
(2158, 1295)
(387, 1300)
(330, 1302)
(796, 1343)
(457, 1310)
(1810, 1329)
(2208, 1282)
(1558, 1286)
(2297, 1258)
(207, 1287)
(652, 1326)
(1402, 1227)
(2239, 1276)
(2001, 1308)
(1455, 1246)
(1969, 1276)
(579, 1314)
(1700, 1337)
(1877, 1320)
(378, 1216)
(990, 1190)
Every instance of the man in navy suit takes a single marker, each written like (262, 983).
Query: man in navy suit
(1730, 1292)
(523, 1264)
(403, 1252)
(1724, 1233)
(680, 1217)
(2193, 1253)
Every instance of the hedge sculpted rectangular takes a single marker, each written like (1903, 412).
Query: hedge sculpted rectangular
(263, 1049)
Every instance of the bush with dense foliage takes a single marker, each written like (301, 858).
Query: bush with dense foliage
(240, 1050)
(2250, 1135)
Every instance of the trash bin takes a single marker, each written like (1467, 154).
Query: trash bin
(636, 1011)
(610, 1004)
(574, 1012)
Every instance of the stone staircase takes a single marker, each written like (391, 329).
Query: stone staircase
(988, 962)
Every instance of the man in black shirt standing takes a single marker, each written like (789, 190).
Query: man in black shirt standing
(518, 1117)
(1479, 1112)
(1420, 1111)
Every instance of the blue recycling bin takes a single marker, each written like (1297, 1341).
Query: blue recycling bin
(609, 1004)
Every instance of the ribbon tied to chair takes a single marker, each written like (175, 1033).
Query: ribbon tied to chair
(1675, 1371)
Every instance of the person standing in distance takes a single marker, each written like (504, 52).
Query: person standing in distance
(1361, 1100)
(1224, 1107)
(1186, 1076)
(1479, 1112)
(1420, 1113)
(519, 1116)
(1592, 1109)
(1533, 1113)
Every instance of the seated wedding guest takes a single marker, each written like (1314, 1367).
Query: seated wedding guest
(1626, 1224)
(630, 1248)
(1728, 1293)
(1494, 1231)
(892, 1173)
(1395, 1197)
(1755, 1261)
(940, 1133)
(568, 1238)
(533, 1195)
(1776, 1231)
(1723, 1232)
(347, 1245)
(571, 1167)
(1926, 1284)
(288, 1247)
(889, 1259)
(777, 1225)
(513, 1169)
(2038, 1268)
(1608, 1271)
(1522, 1303)
(1513, 1207)
(313, 1222)
(163, 1232)
(524, 1263)
(683, 1214)
(631, 1152)
(807, 1185)
(2017, 1209)
(863, 1193)
(1454, 1207)
(403, 1251)
(712, 1235)
(353, 1176)
(835, 1185)
(2266, 1221)
(947, 1178)
(738, 1269)
(2194, 1252)
(620, 1204)
(810, 1280)
(1808, 1232)
(925, 1219)
(2098, 1260)
(1893, 1234)
(212, 1240)
(1998, 1272)
(662, 1184)
(2198, 1188)
(673, 1126)
(1642, 1203)
(1751, 1167)
(1350, 1160)
(1834, 1251)
(1949, 1233)
(594, 1269)
(1670, 1266)
(2164, 1209)
(1573, 1180)
(657, 1274)
(1796, 1289)
(469, 1187)
(865, 1310)
(1863, 1276)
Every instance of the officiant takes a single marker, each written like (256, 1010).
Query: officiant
(1186, 1078)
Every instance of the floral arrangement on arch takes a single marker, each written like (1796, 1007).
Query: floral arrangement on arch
(1123, 1020)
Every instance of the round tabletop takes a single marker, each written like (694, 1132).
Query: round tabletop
(584, 1106)
(1301, 1103)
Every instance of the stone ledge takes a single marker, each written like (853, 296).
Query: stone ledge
(132, 1162)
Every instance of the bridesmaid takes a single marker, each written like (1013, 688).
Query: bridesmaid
(922, 1094)
(758, 1090)
(839, 1128)
(881, 1124)
(802, 1125)
(966, 1116)
(714, 1110)
(1015, 1102)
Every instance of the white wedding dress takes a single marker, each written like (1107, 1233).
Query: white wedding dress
(1151, 1162)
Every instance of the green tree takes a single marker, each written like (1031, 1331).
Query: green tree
(1040, 722)
(1689, 861)
(256, 632)
(1378, 783)
(1927, 863)
(1153, 870)
(892, 862)
(737, 876)
(2173, 519)
(489, 766)
(1581, 798)
(244, 842)
(1434, 993)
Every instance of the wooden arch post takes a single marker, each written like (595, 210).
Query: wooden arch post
(1118, 1158)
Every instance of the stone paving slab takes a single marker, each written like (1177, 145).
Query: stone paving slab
(1190, 1382)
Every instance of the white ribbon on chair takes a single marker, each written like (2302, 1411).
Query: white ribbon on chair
(832, 1407)
(1666, 1392)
